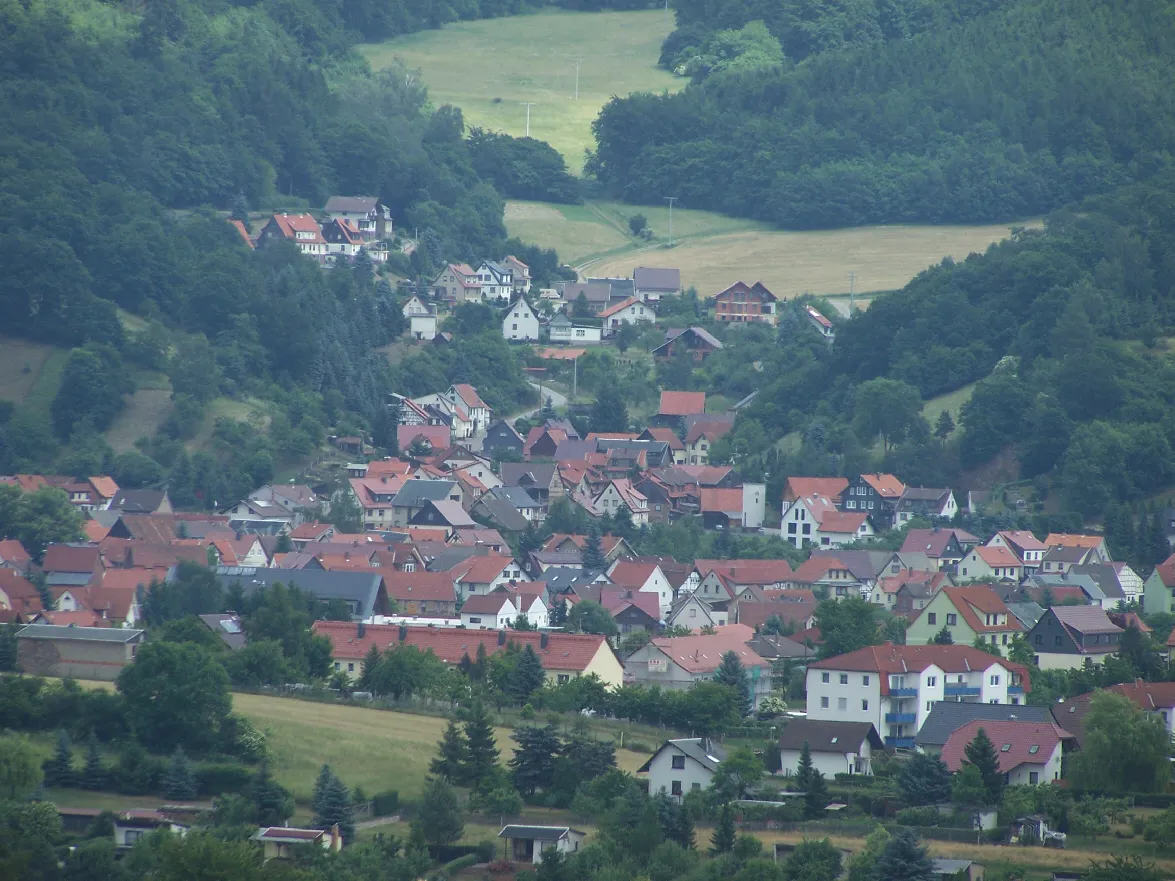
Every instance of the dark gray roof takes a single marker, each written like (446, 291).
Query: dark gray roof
(656, 278)
(1092, 588)
(535, 473)
(537, 833)
(594, 291)
(351, 203)
(359, 588)
(1064, 554)
(502, 513)
(622, 288)
(702, 750)
(770, 646)
(452, 556)
(414, 493)
(560, 579)
(942, 866)
(68, 579)
(138, 501)
(947, 717)
(228, 627)
(1026, 613)
(515, 495)
(574, 449)
(823, 737)
(1105, 577)
(864, 565)
(700, 332)
(71, 631)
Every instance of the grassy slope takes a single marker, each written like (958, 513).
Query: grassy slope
(488, 67)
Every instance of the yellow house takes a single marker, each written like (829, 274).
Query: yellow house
(966, 613)
(564, 656)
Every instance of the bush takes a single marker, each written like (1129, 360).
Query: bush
(486, 850)
(384, 804)
(923, 816)
(501, 866)
(460, 863)
(217, 778)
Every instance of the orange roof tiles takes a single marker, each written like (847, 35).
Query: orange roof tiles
(682, 403)
(1013, 742)
(885, 485)
(889, 658)
(829, 487)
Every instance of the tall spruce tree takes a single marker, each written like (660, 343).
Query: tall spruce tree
(59, 770)
(811, 783)
(452, 759)
(94, 776)
(438, 819)
(370, 675)
(178, 780)
(275, 804)
(527, 676)
(332, 805)
(321, 783)
(981, 753)
(722, 840)
(532, 768)
(480, 745)
(593, 556)
(730, 672)
(904, 859)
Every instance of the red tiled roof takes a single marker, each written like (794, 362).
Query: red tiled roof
(682, 403)
(481, 569)
(1066, 540)
(311, 531)
(665, 435)
(22, 594)
(469, 395)
(564, 651)
(71, 558)
(754, 614)
(829, 487)
(817, 317)
(80, 618)
(292, 224)
(419, 586)
(487, 603)
(104, 486)
(12, 551)
(437, 435)
(889, 658)
(747, 571)
(841, 522)
(1148, 695)
(722, 500)
(1018, 737)
(131, 579)
(703, 653)
(1022, 539)
(619, 307)
(1001, 557)
(976, 600)
(711, 430)
(815, 568)
(632, 575)
(239, 226)
(886, 485)
(931, 542)
(95, 531)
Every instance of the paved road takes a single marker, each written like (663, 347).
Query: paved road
(558, 399)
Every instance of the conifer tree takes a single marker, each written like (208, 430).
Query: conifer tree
(8, 648)
(59, 770)
(724, 832)
(321, 784)
(178, 781)
(593, 556)
(730, 672)
(480, 745)
(811, 783)
(527, 676)
(332, 805)
(904, 859)
(438, 819)
(981, 753)
(369, 676)
(94, 776)
(275, 804)
(452, 759)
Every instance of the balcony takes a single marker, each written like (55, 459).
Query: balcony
(901, 718)
(903, 692)
(900, 742)
(1015, 689)
(959, 690)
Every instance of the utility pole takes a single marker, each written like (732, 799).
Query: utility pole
(575, 380)
(670, 200)
(527, 105)
(852, 290)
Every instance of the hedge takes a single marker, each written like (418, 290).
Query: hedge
(216, 778)
(384, 804)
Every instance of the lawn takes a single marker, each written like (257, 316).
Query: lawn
(952, 401)
(375, 749)
(245, 411)
(22, 364)
(488, 67)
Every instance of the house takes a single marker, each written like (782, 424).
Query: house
(13, 556)
(797, 487)
(630, 311)
(261, 515)
(928, 503)
(563, 655)
(643, 577)
(878, 494)
(697, 341)
(1065, 636)
(613, 546)
(947, 717)
(739, 508)
(692, 612)
(1029, 753)
(283, 842)
(967, 613)
(945, 869)
(561, 329)
(490, 611)
(701, 436)
(497, 280)
(986, 563)
(363, 213)
(816, 520)
(1156, 698)
(301, 229)
(1159, 589)
(678, 662)
(18, 596)
(481, 573)
(519, 272)
(413, 495)
(141, 501)
(835, 747)
(667, 436)
(585, 299)
(895, 686)
(375, 496)
(1095, 543)
(445, 513)
(650, 283)
(742, 302)
(422, 325)
(1060, 559)
(1026, 546)
(68, 652)
(522, 501)
(821, 323)
(530, 844)
(683, 765)
(501, 440)
(621, 493)
(343, 241)
(465, 395)
(457, 283)
(521, 322)
(361, 591)
(227, 626)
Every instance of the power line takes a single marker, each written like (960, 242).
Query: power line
(528, 105)
(670, 200)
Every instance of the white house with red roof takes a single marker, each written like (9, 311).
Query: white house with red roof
(491, 611)
(821, 323)
(895, 686)
(630, 311)
(642, 577)
(798, 487)
(485, 573)
(1026, 546)
(990, 563)
(815, 520)
(678, 662)
(1029, 753)
(621, 493)
(466, 397)
(457, 283)
(301, 229)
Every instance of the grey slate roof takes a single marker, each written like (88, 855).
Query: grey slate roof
(1026, 613)
(824, 737)
(414, 493)
(656, 278)
(701, 749)
(561, 579)
(573, 450)
(515, 495)
(228, 627)
(350, 204)
(69, 631)
(535, 473)
(947, 717)
(1104, 576)
(453, 555)
(359, 588)
(864, 565)
(1087, 584)
(502, 513)
(68, 579)
(138, 501)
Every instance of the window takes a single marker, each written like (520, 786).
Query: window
(807, 529)
(952, 619)
(850, 504)
(563, 678)
(693, 613)
(679, 763)
(474, 620)
(964, 570)
(1007, 747)
(865, 705)
(931, 618)
(932, 681)
(1039, 640)
(823, 677)
(844, 678)
(1034, 749)
(803, 514)
(695, 786)
(1033, 777)
(675, 787)
(824, 703)
(350, 668)
(842, 703)
(516, 327)
(995, 680)
(864, 680)
(791, 529)
(1057, 640)
(339, 666)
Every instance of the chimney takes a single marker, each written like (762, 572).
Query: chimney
(361, 630)
(544, 640)
(501, 637)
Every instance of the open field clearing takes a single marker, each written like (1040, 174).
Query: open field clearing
(951, 401)
(488, 67)
(21, 364)
(375, 749)
(144, 412)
